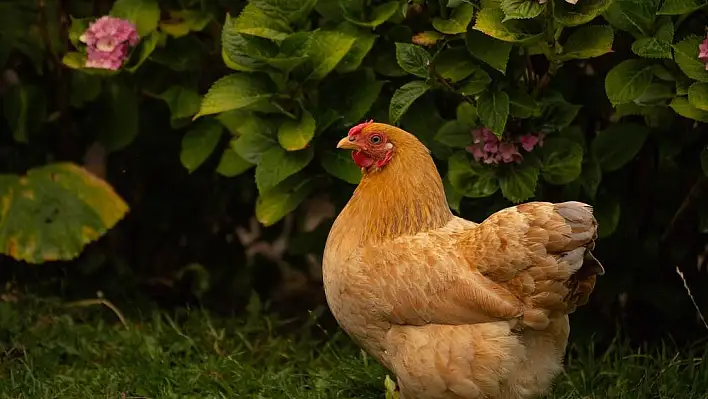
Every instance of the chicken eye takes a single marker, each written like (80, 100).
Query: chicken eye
(375, 139)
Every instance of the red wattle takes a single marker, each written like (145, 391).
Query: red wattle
(362, 159)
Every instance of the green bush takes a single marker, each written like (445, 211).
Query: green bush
(602, 101)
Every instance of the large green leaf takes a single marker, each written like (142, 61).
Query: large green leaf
(698, 95)
(476, 83)
(518, 182)
(143, 13)
(256, 136)
(54, 211)
(493, 109)
(275, 204)
(588, 42)
(657, 46)
(182, 22)
(295, 135)
(521, 9)
(562, 160)
(617, 145)
(577, 14)
(471, 179)
(458, 22)
(455, 64)
(231, 164)
(339, 164)
(276, 165)
(404, 97)
(678, 7)
(455, 133)
(183, 102)
(328, 48)
(362, 45)
(686, 56)
(634, 15)
(117, 123)
(490, 22)
(413, 59)
(290, 10)
(607, 212)
(628, 80)
(591, 176)
(25, 110)
(254, 21)
(199, 142)
(522, 105)
(488, 49)
(244, 52)
(362, 90)
(235, 91)
(353, 11)
(682, 106)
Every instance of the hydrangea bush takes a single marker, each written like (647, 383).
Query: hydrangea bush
(603, 101)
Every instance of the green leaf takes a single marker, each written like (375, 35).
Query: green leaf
(454, 197)
(657, 93)
(182, 22)
(254, 21)
(658, 46)
(591, 176)
(363, 43)
(183, 102)
(143, 13)
(455, 64)
(698, 95)
(478, 81)
(231, 164)
(521, 9)
(489, 21)
(588, 42)
(562, 160)
(328, 48)
(681, 106)
(25, 110)
(275, 204)
(276, 165)
(295, 135)
(199, 142)
(640, 15)
(678, 7)
(617, 145)
(471, 179)
(404, 97)
(518, 182)
(578, 14)
(628, 80)
(686, 56)
(143, 51)
(54, 211)
(290, 10)
(467, 113)
(522, 105)
(413, 59)
(427, 38)
(84, 88)
(256, 136)
(379, 14)
(244, 52)
(458, 22)
(488, 49)
(117, 124)
(704, 161)
(557, 113)
(493, 109)
(339, 164)
(456, 134)
(235, 91)
(362, 90)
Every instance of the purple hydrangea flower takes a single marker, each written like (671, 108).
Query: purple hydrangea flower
(703, 52)
(108, 40)
(488, 149)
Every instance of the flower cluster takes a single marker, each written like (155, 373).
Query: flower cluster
(703, 52)
(108, 40)
(489, 149)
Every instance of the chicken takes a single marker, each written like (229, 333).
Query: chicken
(455, 309)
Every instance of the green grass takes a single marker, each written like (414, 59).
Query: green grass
(49, 351)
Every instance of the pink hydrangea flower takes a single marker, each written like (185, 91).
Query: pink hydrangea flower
(108, 40)
(488, 149)
(703, 52)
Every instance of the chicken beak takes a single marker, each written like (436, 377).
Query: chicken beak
(346, 144)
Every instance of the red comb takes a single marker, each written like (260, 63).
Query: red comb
(358, 128)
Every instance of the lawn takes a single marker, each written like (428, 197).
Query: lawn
(49, 350)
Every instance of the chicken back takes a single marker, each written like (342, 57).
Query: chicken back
(456, 309)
